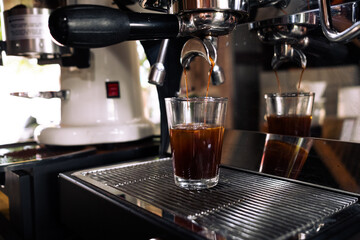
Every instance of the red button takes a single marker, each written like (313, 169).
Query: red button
(112, 90)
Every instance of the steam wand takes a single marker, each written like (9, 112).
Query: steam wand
(158, 72)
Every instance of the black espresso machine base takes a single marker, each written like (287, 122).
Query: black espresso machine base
(129, 200)
(29, 182)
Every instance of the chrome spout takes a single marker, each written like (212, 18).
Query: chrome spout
(285, 52)
(206, 48)
(217, 76)
(196, 47)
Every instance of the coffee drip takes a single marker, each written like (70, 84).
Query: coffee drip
(208, 82)
(298, 85)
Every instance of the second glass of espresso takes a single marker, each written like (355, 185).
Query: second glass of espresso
(287, 145)
(289, 113)
(196, 127)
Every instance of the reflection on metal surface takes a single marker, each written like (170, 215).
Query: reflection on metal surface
(284, 155)
(151, 208)
(243, 205)
(4, 205)
(330, 163)
(15, 155)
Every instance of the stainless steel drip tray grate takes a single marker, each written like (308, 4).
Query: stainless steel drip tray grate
(242, 206)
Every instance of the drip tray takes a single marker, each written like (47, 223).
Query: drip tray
(243, 205)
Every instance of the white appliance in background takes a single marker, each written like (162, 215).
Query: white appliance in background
(102, 103)
(99, 104)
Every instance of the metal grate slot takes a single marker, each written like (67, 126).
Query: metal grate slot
(242, 206)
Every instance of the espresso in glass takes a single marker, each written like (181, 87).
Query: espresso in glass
(289, 113)
(289, 125)
(289, 120)
(196, 127)
(196, 149)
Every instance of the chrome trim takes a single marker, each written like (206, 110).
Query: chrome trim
(210, 23)
(215, 5)
(27, 33)
(327, 25)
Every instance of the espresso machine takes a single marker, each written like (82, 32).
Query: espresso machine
(70, 26)
(195, 28)
(247, 204)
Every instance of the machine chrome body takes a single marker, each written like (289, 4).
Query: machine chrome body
(290, 33)
(327, 24)
(200, 19)
(27, 33)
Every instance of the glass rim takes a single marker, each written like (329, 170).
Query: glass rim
(289, 94)
(197, 99)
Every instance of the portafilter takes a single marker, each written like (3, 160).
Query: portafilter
(92, 26)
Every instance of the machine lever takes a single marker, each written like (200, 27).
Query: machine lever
(92, 26)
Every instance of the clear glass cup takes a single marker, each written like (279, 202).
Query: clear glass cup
(289, 113)
(196, 127)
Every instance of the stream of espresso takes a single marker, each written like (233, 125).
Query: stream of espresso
(301, 76)
(278, 80)
(208, 83)
(186, 85)
(209, 79)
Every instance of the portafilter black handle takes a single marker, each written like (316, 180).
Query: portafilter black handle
(92, 26)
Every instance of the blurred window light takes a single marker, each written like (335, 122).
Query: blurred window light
(21, 115)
